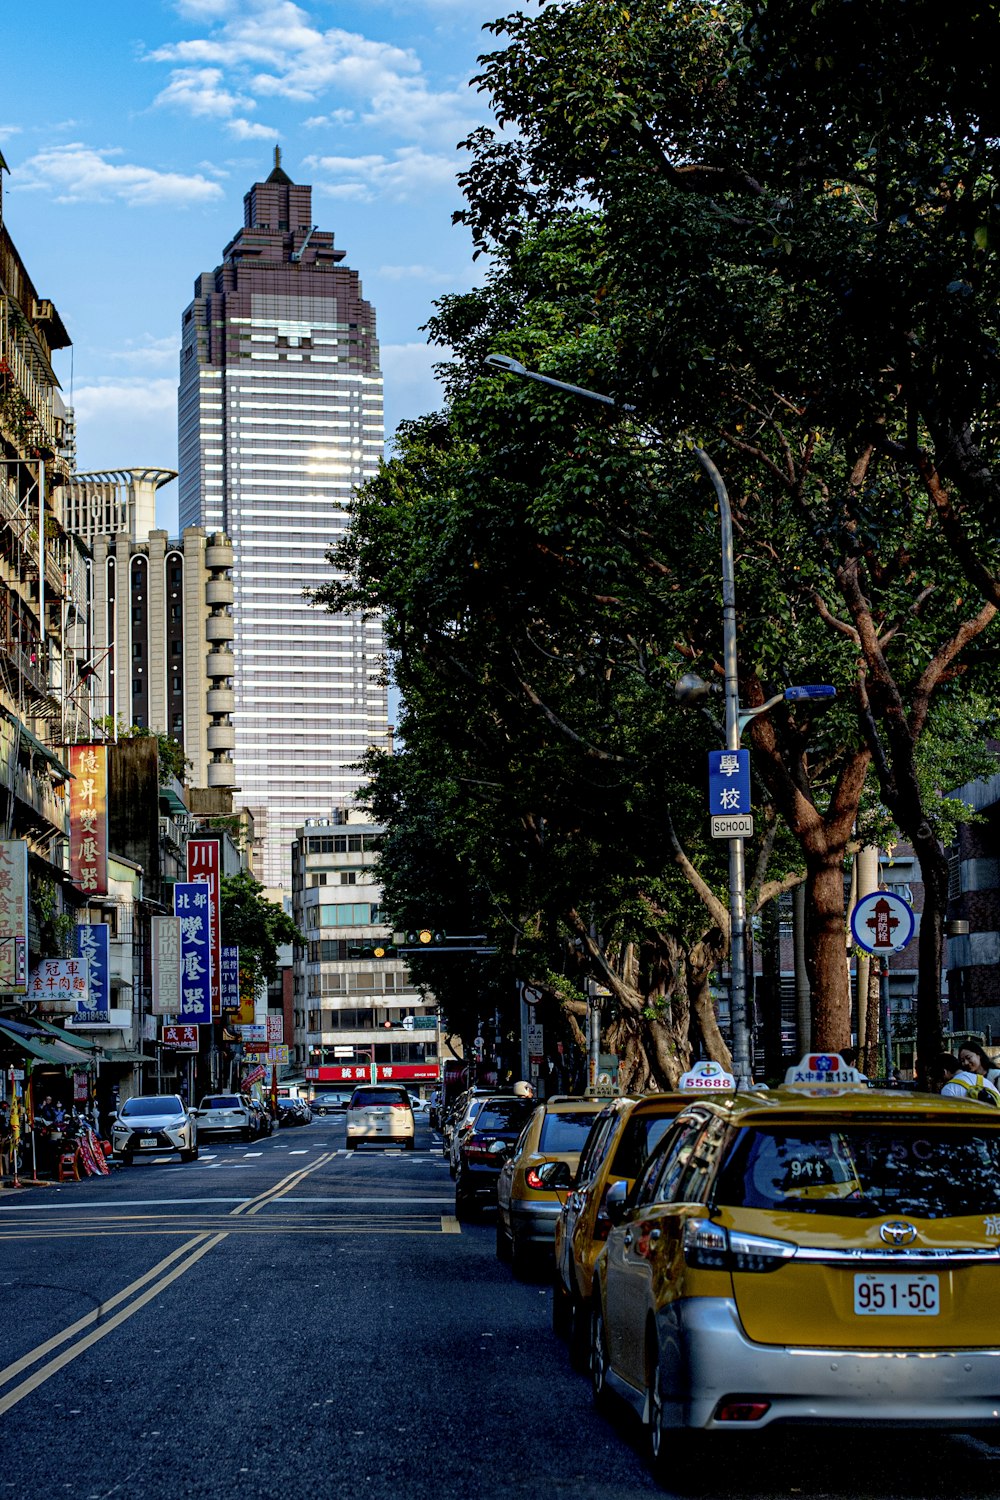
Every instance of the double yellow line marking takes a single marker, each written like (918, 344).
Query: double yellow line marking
(141, 1291)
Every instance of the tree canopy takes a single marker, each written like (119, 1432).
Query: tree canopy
(701, 213)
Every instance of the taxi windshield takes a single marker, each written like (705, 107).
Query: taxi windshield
(864, 1170)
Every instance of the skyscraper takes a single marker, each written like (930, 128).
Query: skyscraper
(280, 417)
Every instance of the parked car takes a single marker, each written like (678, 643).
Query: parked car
(617, 1147)
(813, 1254)
(261, 1123)
(454, 1112)
(467, 1108)
(224, 1114)
(382, 1113)
(292, 1112)
(333, 1102)
(151, 1124)
(482, 1152)
(528, 1205)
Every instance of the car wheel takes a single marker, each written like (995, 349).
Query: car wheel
(245, 1134)
(503, 1243)
(350, 1145)
(521, 1259)
(579, 1334)
(191, 1155)
(127, 1158)
(562, 1312)
(654, 1412)
(598, 1358)
(465, 1202)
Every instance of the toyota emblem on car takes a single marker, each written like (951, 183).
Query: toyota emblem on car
(898, 1232)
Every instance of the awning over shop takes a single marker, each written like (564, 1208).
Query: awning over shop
(81, 1043)
(123, 1055)
(50, 1051)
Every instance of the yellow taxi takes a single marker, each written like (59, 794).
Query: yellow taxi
(527, 1204)
(620, 1141)
(824, 1252)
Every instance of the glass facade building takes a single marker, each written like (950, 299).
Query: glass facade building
(280, 417)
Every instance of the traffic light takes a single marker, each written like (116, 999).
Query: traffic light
(425, 937)
(370, 950)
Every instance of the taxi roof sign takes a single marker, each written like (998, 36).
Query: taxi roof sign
(824, 1068)
(707, 1077)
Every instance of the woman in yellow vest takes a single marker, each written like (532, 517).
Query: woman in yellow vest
(971, 1080)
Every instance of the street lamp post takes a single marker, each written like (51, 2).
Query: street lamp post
(735, 720)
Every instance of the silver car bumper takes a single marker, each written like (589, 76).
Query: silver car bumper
(534, 1223)
(706, 1355)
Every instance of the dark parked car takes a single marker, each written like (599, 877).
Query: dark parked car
(293, 1112)
(261, 1123)
(334, 1103)
(498, 1124)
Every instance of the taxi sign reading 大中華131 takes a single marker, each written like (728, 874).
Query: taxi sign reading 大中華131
(822, 1067)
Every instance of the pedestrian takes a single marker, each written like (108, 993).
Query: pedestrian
(975, 1057)
(964, 1082)
(47, 1110)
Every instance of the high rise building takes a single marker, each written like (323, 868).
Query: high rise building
(280, 417)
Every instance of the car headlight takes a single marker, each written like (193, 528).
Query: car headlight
(179, 1123)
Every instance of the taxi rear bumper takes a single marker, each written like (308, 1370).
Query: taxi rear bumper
(707, 1358)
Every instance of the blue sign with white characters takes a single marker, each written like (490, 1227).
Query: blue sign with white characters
(93, 943)
(191, 906)
(728, 782)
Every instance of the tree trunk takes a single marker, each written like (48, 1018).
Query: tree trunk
(702, 958)
(803, 995)
(870, 1062)
(826, 955)
(930, 1033)
(769, 991)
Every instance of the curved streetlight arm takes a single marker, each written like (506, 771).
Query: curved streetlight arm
(514, 367)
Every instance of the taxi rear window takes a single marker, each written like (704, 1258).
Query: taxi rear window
(378, 1098)
(864, 1171)
(642, 1132)
(565, 1132)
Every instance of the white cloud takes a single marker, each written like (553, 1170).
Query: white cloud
(199, 91)
(147, 352)
(6, 131)
(250, 130)
(430, 275)
(271, 48)
(76, 173)
(408, 172)
(126, 422)
(334, 118)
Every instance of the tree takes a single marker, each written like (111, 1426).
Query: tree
(820, 270)
(256, 926)
(171, 758)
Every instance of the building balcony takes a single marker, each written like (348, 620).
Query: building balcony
(220, 628)
(48, 813)
(220, 700)
(221, 737)
(221, 773)
(219, 591)
(218, 555)
(220, 664)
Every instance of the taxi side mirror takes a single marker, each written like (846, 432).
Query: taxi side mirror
(499, 1148)
(556, 1174)
(615, 1201)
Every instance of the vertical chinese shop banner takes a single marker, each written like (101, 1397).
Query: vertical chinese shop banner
(231, 982)
(204, 862)
(165, 966)
(191, 907)
(13, 916)
(93, 943)
(88, 818)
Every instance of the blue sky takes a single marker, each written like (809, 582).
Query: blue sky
(132, 132)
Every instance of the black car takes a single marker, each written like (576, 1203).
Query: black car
(334, 1103)
(481, 1154)
(292, 1112)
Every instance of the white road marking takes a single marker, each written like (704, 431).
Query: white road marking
(36, 1207)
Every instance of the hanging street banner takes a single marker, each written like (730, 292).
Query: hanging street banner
(165, 966)
(93, 942)
(88, 818)
(13, 916)
(191, 906)
(204, 862)
(729, 794)
(60, 983)
(882, 922)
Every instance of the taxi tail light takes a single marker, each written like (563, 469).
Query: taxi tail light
(533, 1180)
(741, 1409)
(712, 1248)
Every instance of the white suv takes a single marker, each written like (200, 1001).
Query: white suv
(380, 1112)
(225, 1114)
(151, 1124)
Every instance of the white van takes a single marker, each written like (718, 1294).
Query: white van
(380, 1112)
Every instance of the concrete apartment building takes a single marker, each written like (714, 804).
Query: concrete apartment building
(280, 417)
(160, 632)
(348, 1003)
